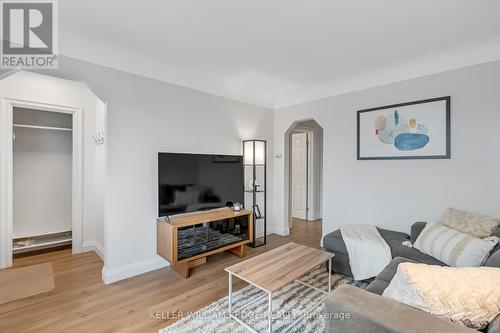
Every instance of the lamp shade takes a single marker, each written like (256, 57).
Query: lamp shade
(248, 152)
(254, 149)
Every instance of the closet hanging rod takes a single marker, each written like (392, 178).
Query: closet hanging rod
(44, 127)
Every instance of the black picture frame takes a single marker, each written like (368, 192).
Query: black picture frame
(447, 155)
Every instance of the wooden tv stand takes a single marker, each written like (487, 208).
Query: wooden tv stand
(168, 239)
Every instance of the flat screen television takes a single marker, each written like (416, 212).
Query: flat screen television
(194, 182)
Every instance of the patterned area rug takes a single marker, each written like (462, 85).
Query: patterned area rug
(292, 302)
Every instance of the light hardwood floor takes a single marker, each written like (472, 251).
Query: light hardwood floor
(81, 302)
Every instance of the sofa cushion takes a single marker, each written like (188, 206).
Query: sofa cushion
(334, 242)
(390, 270)
(497, 234)
(400, 250)
(383, 278)
(416, 229)
(340, 264)
(494, 326)
(377, 286)
(493, 260)
(391, 235)
(473, 224)
(453, 247)
(466, 295)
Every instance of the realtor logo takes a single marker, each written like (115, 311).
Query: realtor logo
(29, 34)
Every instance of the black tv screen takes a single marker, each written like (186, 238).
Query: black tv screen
(194, 182)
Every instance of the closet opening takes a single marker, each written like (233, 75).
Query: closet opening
(42, 183)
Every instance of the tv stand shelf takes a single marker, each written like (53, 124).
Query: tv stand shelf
(186, 240)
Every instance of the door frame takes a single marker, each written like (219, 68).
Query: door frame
(316, 151)
(7, 106)
(311, 212)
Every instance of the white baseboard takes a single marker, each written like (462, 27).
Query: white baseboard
(110, 275)
(278, 231)
(93, 246)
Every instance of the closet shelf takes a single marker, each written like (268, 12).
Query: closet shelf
(45, 234)
(26, 244)
(44, 127)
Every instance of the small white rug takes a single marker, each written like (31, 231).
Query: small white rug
(293, 301)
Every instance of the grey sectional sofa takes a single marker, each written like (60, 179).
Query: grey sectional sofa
(371, 312)
(368, 312)
(334, 243)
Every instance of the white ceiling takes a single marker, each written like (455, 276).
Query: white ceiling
(275, 53)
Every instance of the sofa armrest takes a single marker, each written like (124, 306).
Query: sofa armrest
(416, 229)
(351, 309)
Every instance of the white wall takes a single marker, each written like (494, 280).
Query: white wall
(317, 173)
(394, 194)
(145, 116)
(51, 90)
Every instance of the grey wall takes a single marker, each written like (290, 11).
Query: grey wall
(395, 194)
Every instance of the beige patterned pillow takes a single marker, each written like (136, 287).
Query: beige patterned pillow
(469, 296)
(453, 247)
(476, 225)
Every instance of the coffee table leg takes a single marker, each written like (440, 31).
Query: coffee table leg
(270, 312)
(329, 275)
(230, 291)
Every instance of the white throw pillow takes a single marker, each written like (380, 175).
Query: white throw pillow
(469, 296)
(453, 247)
(476, 225)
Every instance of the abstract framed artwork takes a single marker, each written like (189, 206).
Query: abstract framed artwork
(413, 130)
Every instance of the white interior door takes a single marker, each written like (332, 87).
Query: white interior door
(299, 175)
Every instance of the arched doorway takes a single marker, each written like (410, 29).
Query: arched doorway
(303, 171)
